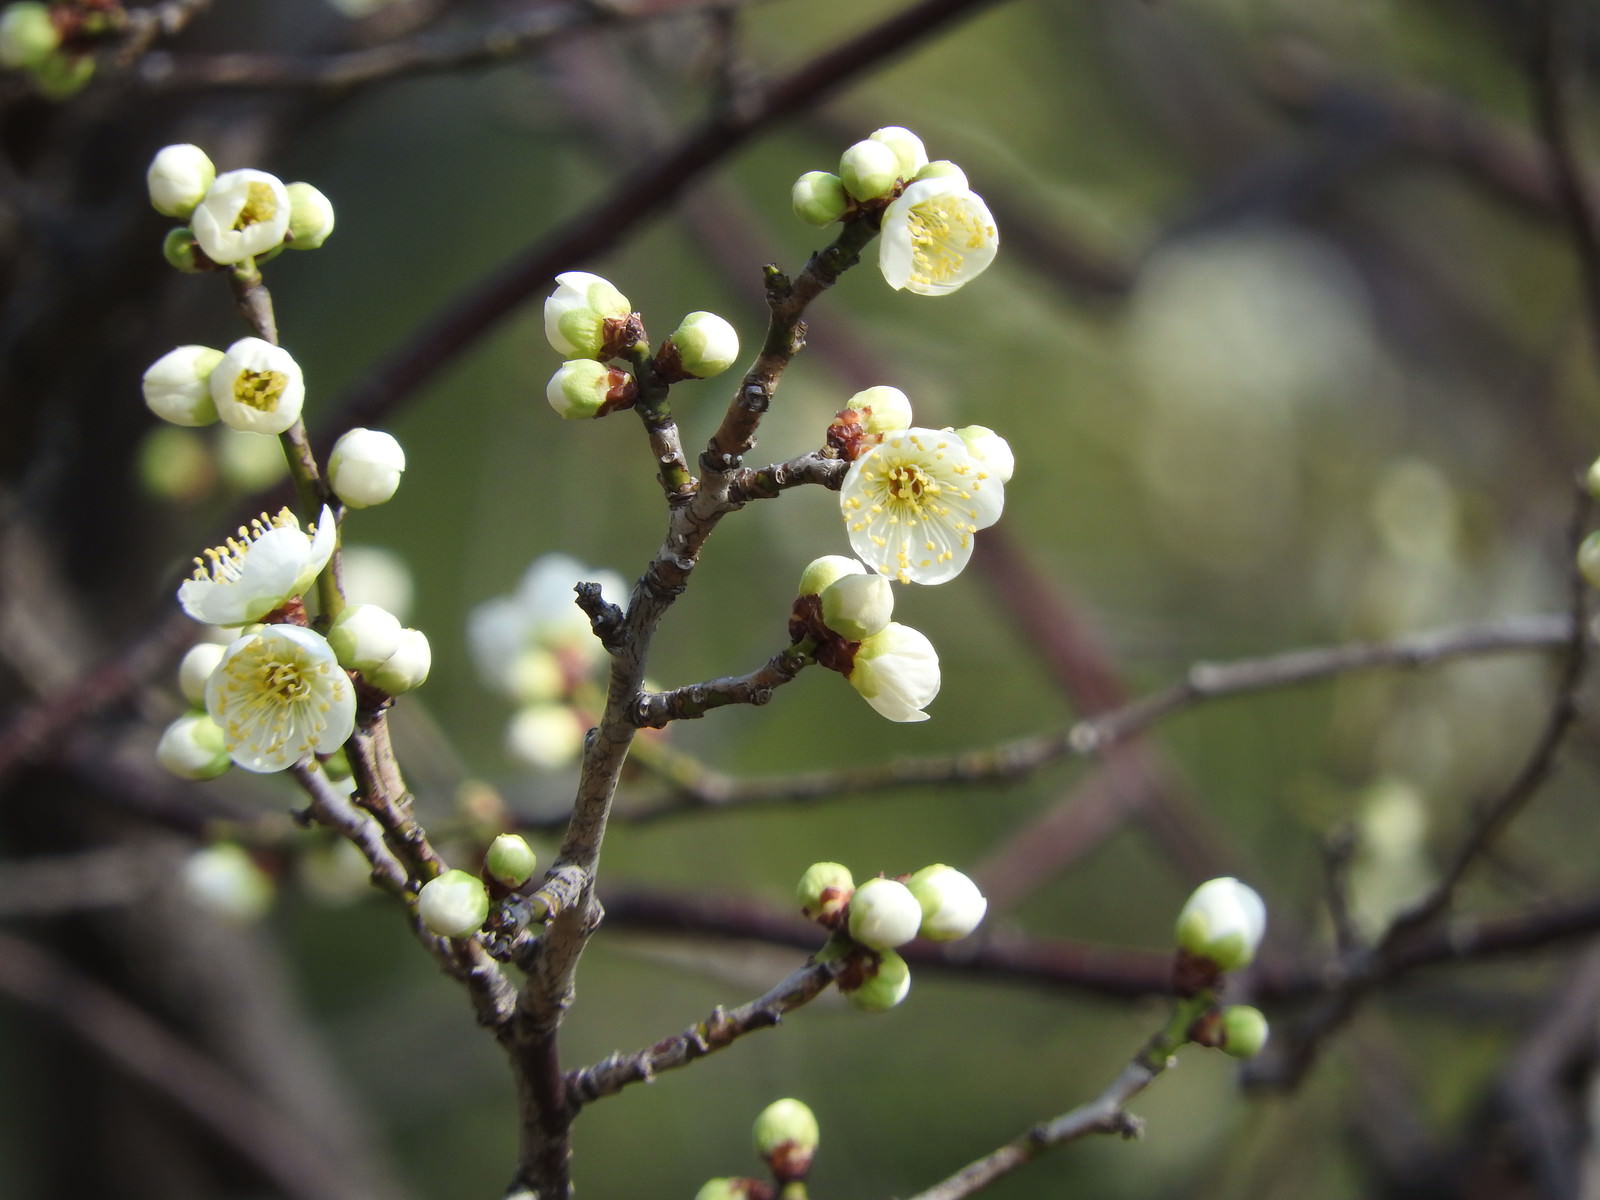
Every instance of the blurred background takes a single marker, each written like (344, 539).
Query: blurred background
(1287, 333)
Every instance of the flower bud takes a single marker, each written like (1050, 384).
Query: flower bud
(27, 35)
(192, 747)
(546, 736)
(887, 409)
(869, 170)
(824, 890)
(819, 198)
(896, 671)
(581, 387)
(576, 313)
(178, 178)
(884, 914)
(407, 667)
(310, 216)
(258, 387)
(196, 667)
(706, 345)
(510, 860)
(364, 636)
(943, 168)
(1223, 922)
(991, 450)
(951, 903)
(884, 984)
(225, 880)
(1244, 1031)
(454, 904)
(733, 1189)
(786, 1137)
(181, 251)
(825, 571)
(907, 147)
(177, 385)
(857, 606)
(63, 75)
(365, 467)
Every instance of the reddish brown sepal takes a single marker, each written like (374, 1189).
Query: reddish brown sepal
(1193, 974)
(620, 395)
(790, 1162)
(847, 437)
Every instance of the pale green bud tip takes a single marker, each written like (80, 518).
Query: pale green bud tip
(1244, 1031)
(365, 467)
(511, 860)
(952, 905)
(1589, 559)
(826, 570)
(407, 667)
(943, 168)
(819, 198)
(991, 450)
(580, 387)
(192, 747)
(61, 76)
(725, 1189)
(869, 170)
(887, 409)
(196, 668)
(576, 313)
(27, 35)
(177, 385)
(1223, 921)
(884, 914)
(825, 889)
(787, 1129)
(178, 178)
(857, 606)
(310, 216)
(454, 904)
(364, 636)
(907, 147)
(707, 345)
(182, 252)
(885, 987)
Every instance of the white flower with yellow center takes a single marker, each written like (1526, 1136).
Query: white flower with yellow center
(937, 235)
(257, 387)
(280, 696)
(896, 670)
(912, 503)
(244, 213)
(248, 576)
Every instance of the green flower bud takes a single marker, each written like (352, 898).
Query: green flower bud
(576, 313)
(732, 1189)
(407, 667)
(869, 170)
(454, 904)
(364, 636)
(27, 35)
(825, 571)
(581, 387)
(786, 1137)
(824, 890)
(884, 914)
(511, 860)
(907, 147)
(943, 168)
(819, 198)
(1222, 922)
(888, 409)
(61, 76)
(885, 986)
(952, 905)
(310, 216)
(857, 606)
(192, 747)
(178, 178)
(183, 252)
(1244, 1031)
(706, 345)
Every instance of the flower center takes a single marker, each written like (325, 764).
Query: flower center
(286, 680)
(910, 487)
(942, 231)
(259, 390)
(259, 206)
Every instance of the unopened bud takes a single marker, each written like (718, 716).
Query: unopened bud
(869, 169)
(454, 904)
(884, 914)
(786, 1137)
(824, 890)
(819, 198)
(511, 860)
(1244, 1031)
(952, 905)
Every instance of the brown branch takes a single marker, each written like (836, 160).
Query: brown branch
(653, 710)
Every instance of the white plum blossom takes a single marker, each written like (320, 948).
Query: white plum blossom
(884, 914)
(248, 576)
(280, 696)
(365, 467)
(310, 216)
(1223, 921)
(407, 667)
(177, 385)
(179, 178)
(897, 672)
(364, 636)
(541, 616)
(912, 503)
(244, 213)
(952, 905)
(575, 314)
(258, 387)
(937, 235)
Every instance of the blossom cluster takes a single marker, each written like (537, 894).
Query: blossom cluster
(869, 922)
(936, 233)
(50, 44)
(236, 217)
(535, 647)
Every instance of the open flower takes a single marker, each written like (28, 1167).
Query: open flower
(244, 213)
(937, 235)
(912, 503)
(258, 387)
(280, 696)
(247, 577)
(897, 672)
